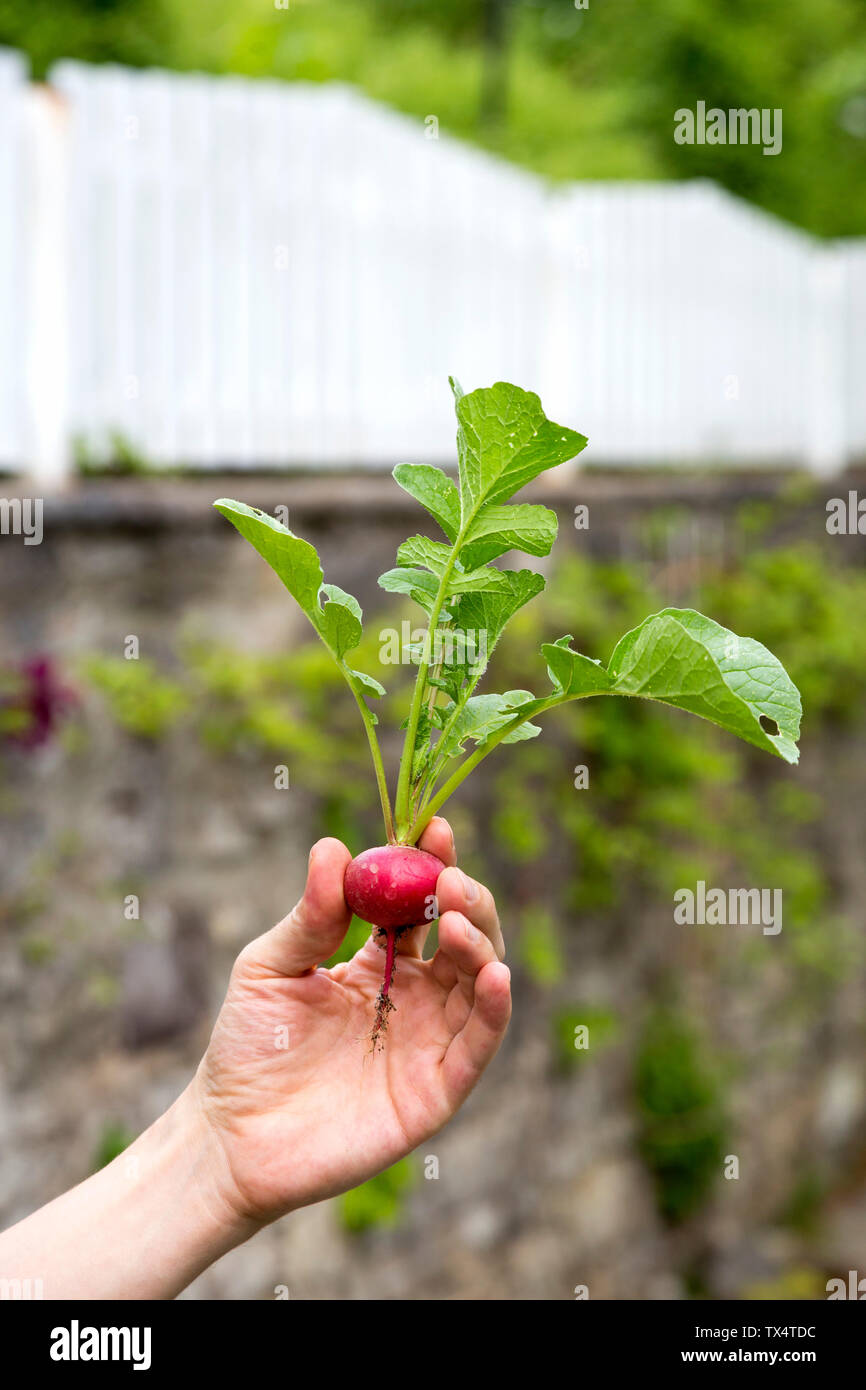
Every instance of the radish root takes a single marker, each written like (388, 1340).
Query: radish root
(384, 1003)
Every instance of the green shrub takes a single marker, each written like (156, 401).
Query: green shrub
(602, 1029)
(115, 1137)
(681, 1128)
(377, 1202)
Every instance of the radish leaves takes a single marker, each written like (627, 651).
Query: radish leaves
(676, 657)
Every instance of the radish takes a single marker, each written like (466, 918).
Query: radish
(677, 657)
(393, 887)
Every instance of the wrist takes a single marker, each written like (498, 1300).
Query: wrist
(181, 1155)
(168, 1203)
(144, 1226)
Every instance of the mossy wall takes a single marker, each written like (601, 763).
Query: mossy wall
(145, 840)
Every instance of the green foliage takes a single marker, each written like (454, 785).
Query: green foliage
(681, 658)
(691, 792)
(114, 1138)
(140, 700)
(37, 950)
(539, 945)
(334, 614)
(801, 1212)
(602, 1029)
(521, 836)
(120, 458)
(811, 618)
(379, 1201)
(682, 1129)
(677, 656)
(588, 93)
(504, 440)
(801, 1283)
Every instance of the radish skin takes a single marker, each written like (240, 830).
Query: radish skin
(393, 887)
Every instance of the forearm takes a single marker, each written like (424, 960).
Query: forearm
(142, 1227)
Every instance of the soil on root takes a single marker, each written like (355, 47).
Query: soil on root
(387, 938)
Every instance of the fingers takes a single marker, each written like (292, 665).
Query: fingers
(458, 892)
(315, 927)
(479, 1003)
(463, 951)
(438, 839)
(477, 1042)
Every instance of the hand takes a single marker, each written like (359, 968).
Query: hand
(301, 1107)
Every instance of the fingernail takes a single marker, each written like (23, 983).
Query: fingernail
(472, 934)
(470, 887)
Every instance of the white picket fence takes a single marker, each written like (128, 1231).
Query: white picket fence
(229, 272)
(14, 195)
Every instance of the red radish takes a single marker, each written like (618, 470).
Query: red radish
(393, 887)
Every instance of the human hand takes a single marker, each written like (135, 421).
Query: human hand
(299, 1105)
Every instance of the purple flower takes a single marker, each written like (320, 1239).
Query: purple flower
(31, 712)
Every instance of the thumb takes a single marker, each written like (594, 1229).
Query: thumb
(315, 927)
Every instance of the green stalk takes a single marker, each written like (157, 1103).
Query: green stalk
(441, 762)
(470, 763)
(376, 753)
(401, 801)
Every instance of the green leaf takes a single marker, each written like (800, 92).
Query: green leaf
(504, 440)
(684, 659)
(489, 613)
(418, 584)
(293, 559)
(482, 715)
(411, 581)
(431, 555)
(527, 527)
(371, 686)
(478, 581)
(681, 658)
(340, 620)
(296, 563)
(574, 675)
(422, 751)
(435, 491)
(422, 586)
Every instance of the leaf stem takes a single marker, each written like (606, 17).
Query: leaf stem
(402, 800)
(442, 760)
(470, 763)
(375, 751)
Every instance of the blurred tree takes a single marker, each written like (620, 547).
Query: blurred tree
(494, 83)
(591, 92)
(138, 32)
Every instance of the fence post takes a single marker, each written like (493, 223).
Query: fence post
(13, 82)
(47, 339)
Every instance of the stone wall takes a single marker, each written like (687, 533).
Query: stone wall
(541, 1186)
